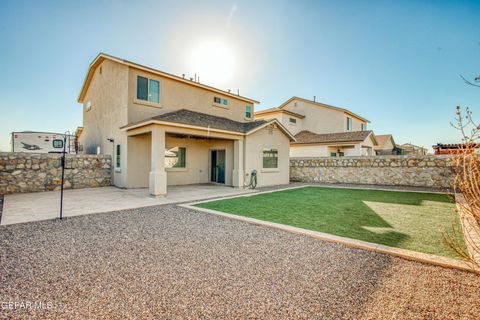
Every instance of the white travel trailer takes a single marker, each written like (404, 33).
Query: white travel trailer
(42, 142)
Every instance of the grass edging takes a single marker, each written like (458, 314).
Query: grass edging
(354, 243)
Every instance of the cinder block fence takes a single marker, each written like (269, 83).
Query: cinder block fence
(27, 172)
(419, 171)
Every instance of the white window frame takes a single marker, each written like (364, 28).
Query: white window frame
(221, 103)
(293, 123)
(186, 158)
(275, 169)
(147, 102)
(349, 123)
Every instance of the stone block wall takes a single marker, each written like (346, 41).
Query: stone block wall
(28, 172)
(420, 171)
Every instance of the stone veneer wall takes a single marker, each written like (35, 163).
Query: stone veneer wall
(29, 172)
(419, 171)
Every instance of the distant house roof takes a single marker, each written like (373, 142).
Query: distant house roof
(278, 110)
(283, 105)
(382, 140)
(102, 56)
(308, 137)
(203, 120)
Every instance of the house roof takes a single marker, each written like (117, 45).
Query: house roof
(308, 137)
(102, 56)
(278, 110)
(203, 120)
(283, 105)
(383, 138)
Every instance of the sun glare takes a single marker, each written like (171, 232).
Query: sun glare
(213, 61)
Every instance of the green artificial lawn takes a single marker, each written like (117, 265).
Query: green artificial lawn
(408, 220)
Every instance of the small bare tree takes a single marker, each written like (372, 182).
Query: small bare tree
(467, 181)
(477, 79)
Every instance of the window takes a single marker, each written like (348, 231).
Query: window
(248, 112)
(117, 158)
(349, 124)
(270, 159)
(292, 121)
(57, 143)
(333, 154)
(176, 157)
(148, 89)
(341, 154)
(221, 101)
(364, 126)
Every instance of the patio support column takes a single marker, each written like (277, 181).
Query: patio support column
(158, 176)
(238, 172)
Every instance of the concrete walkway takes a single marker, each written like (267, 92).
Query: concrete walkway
(26, 207)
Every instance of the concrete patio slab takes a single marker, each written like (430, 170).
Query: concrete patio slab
(27, 207)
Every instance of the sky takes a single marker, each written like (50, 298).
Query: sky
(396, 63)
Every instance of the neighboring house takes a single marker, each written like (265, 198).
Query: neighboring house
(322, 130)
(166, 130)
(386, 145)
(340, 144)
(411, 149)
(441, 148)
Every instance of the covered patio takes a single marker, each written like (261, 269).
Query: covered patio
(185, 147)
(27, 207)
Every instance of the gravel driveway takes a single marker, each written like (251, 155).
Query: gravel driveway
(170, 262)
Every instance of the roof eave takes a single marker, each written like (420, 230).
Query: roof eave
(285, 130)
(102, 56)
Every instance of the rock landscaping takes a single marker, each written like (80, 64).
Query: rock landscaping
(420, 171)
(26, 172)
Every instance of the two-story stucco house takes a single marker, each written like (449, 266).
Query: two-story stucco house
(322, 130)
(163, 130)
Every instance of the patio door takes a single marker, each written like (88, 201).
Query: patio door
(217, 166)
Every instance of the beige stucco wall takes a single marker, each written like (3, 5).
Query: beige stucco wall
(254, 146)
(198, 160)
(284, 119)
(321, 119)
(175, 95)
(108, 95)
(138, 158)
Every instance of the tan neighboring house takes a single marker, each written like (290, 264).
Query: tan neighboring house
(322, 130)
(163, 130)
(385, 145)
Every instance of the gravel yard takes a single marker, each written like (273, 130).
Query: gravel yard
(170, 262)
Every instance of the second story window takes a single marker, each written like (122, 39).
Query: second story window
(248, 112)
(349, 124)
(364, 126)
(148, 89)
(220, 101)
(292, 121)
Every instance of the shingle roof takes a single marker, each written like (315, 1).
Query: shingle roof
(382, 139)
(193, 118)
(305, 136)
(275, 110)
